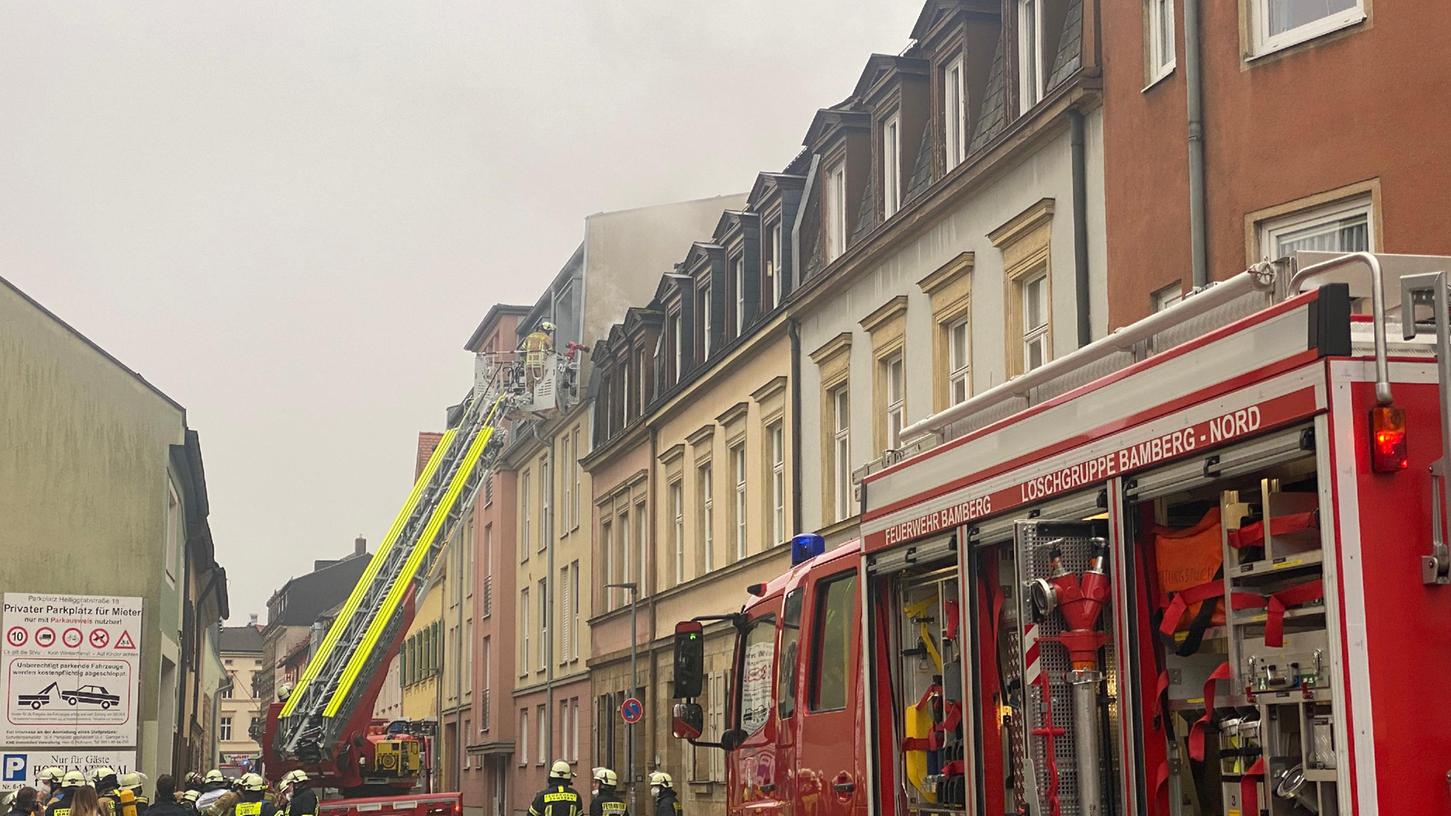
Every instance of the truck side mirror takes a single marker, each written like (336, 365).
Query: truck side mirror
(687, 721)
(732, 738)
(689, 659)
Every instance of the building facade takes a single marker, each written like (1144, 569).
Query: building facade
(240, 706)
(1282, 170)
(86, 431)
(296, 615)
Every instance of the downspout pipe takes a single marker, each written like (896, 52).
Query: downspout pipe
(1194, 89)
(1080, 227)
(793, 331)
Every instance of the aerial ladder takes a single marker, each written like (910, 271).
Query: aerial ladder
(324, 723)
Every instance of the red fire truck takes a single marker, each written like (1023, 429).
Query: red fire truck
(1197, 567)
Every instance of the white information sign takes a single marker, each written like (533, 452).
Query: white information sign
(69, 670)
(22, 767)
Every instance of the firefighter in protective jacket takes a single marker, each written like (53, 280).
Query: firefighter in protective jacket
(607, 800)
(662, 787)
(254, 798)
(559, 798)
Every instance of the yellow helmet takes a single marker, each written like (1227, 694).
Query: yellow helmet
(189, 796)
(253, 782)
(606, 777)
(214, 775)
(132, 781)
(661, 779)
(293, 777)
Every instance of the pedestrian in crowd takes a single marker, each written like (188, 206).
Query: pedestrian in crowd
(87, 802)
(49, 783)
(26, 802)
(662, 787)
(221, 805)
(164, 803)
(214, 787)
(558, 798)
(135, 782)
(104, 780)
(188, 802)
(253, 800)
(60, 804)
(606, 801)
(301, 798)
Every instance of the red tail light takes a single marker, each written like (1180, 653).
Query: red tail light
(1387, 439)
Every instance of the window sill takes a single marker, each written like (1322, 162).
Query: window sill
(1167, 72)
(1307, 32)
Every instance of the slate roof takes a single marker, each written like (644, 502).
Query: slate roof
(245, 639)
(308, 596)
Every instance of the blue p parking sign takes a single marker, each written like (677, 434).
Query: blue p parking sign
(12, 767)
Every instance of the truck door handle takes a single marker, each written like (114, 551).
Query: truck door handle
(843, 784)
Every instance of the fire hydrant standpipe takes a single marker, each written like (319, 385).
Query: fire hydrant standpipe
(1080, 599)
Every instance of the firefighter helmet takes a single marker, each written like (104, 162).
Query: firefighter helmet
(546, 326)
(101, 774)
(606, 777)
(53, 775)
(214, 775)
(253, 782)
(660, 779)
(132, 781)
(560, 770)
(189, 796)
(293, 777)
(73, 779)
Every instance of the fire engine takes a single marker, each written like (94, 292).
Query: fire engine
(324, 724)
(1198, 566)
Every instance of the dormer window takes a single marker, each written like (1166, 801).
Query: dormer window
(891, 165)
(834, 212)
(773, 267)
(954, 114)
(738, 285)
(674, 347)
(702, 310)
(1030, 53)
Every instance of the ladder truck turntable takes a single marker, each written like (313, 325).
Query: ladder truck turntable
(324, 723)
(1198, 567)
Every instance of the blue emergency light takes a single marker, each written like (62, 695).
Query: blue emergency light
(806, 546)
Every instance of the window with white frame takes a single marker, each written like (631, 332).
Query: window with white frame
(622, 558)
(579, 469)
(1035, 320)
(567, 481)
(954, 113)
(894, 376)
(1030, 56)
(677, 513)
(738, 468)
(527, 525)
(773, 268)
(566, 615)
(776, 438)
(1344, 226)
(607, 553)
(546, 529)
(1168, 296)
(541, 720)
(524, 631)
(705, 501)
(835, 212)
(959, 361)
(574, 729)
(703, 306)
(891, 165)
(543, 623)
(641, 541)
(1158, 39)
(523, 737)
(738, 282)
(487, 658)
(676, 348)
(226, 729)
(1277, 24)
(841, 451)
(573, 590)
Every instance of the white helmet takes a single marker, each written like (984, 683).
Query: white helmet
(546, 326)
(73, 779)
(560, 770)
(606, 777)
(53, 775)
(253, 782)
(189, 796)
(100, 774)
(133, 781)
(660, 779)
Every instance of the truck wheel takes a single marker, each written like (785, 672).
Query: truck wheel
(34, 705)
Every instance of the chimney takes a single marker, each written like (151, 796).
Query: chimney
(252, 619)
(360, 546)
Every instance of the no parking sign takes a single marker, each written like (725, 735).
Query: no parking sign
(632, 710)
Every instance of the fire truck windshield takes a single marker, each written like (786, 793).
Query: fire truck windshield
(758, 670)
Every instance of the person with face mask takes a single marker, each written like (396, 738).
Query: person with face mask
(607, 800)
(662, 787)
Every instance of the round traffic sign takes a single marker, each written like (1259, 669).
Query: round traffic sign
(45, 636)
(72, 638)
(100, 638)
(632, 710)
(16, 636)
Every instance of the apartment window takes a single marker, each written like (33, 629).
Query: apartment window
(954, 113)
(574, 729)
(891, 165)
(706, 502)
(1159, 38)
(527, 524)
(543, 622)
(226, 729)
(738, 282)
(841, 451)
(567, 457)
(541, 721)
(524, 631)
(835, 212)
(622, 559)
(738, 468)
(1168, 296)
(523, 737)
(677, 347)
(771, 292)
(777, 440)
(641, 539)
(894, 374)
(579, 470)
(1035, 320)
(545, 528)
(1340, 227)
(488, 599)
(487, 658)
(566, 616)
(1030, 56)
(573, 590)
(607, 537)
(677, 512)
(1279, 24)
(959, 361)
(702, 310)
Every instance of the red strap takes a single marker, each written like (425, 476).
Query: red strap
(1249, 789)
(951, 630)
(927, 695)
(1161, 777)
(952, 717)
(1180, 602)
(931, 743)
(1291, 596)
(954, 768)
(1253, 535)
(1196, 731)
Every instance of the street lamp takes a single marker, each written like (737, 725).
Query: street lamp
(634, 590)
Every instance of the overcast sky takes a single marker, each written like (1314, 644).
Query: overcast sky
(290, 216)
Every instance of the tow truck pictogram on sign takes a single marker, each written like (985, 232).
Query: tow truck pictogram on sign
(45, 637)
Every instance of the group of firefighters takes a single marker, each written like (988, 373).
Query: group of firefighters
(560, 798)
(106, 793)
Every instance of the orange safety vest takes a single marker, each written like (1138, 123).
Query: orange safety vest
(1187, 558)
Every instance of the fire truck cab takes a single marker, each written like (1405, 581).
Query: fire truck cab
(1197, 567)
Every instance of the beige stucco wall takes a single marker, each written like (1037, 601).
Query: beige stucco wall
(242, 707)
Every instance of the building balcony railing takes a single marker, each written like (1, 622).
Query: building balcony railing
(488, 595)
